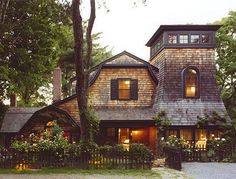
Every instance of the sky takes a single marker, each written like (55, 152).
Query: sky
(126, 27)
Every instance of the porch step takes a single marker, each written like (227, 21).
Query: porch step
(158, 163)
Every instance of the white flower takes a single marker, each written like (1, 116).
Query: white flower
(162, 138)
(223, 139)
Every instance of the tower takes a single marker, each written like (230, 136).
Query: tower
(187, 86)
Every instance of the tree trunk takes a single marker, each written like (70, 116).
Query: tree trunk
(82, 66)
(3, 9)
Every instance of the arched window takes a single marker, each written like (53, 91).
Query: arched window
(190, 77)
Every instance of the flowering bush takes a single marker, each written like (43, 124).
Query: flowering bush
(218, 149)
(173, 142)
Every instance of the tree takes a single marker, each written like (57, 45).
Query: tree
(66, 62)
(226, 62)
(29, 45)
(83, 65)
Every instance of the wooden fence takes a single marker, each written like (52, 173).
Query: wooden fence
(87, 160)
(173, 158)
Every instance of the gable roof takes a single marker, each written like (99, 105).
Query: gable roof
(15, 118)
(121, 60)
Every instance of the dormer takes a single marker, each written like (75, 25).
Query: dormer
(182, 36)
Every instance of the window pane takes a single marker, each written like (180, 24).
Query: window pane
(194, 39)
(124, 94)
(200, 137)
(186, 134)
(191, 83)
(205, 38)
(124, 89)
(172, 39)
(183, 39)
(124, 84)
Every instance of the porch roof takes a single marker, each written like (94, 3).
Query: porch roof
(15, 118)
(130, 114)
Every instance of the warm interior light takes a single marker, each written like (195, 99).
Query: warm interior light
(127, 82)
(193, 89)
(126, 141)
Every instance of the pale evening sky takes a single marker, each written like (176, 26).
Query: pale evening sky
(128, 28)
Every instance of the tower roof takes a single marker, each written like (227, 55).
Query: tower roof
(163, 28)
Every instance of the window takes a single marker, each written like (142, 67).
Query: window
(195, 39)
(171, 132)
(172, 39)
(205, 38)
(183, 39)
(186, 134)
(111, 132)
(191, 82)
(124, 89)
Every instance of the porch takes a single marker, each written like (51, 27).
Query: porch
(125, 133)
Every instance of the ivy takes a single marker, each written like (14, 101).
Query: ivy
(161, 121)
(213, 119)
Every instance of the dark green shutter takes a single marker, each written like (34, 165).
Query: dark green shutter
(134, 89)
(114, 89)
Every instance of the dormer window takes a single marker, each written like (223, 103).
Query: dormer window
(124, 89)
(172, 39)
(191, 82)
(195, 39)
(205, 38)
(183, 39)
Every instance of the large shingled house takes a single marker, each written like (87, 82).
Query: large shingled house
(127, 92)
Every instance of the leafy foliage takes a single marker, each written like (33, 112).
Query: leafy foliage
(217, 147)
(29, 46)
(213, 118)
(161, 121)
(226, 62)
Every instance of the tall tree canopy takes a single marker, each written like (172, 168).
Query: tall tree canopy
(30, 44)
(226, 62)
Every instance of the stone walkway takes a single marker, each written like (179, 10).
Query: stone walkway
(210, 170)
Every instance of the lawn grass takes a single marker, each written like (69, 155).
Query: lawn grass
(130, 172)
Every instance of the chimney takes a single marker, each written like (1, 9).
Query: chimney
(13, 101)
(56, 84)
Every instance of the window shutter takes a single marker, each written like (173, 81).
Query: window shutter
(134, 89)
(114, 89)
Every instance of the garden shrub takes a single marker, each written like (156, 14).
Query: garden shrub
(140, 152)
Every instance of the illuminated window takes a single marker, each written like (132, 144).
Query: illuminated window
(195, 39)
(183, 39)
(171, 132)
(172, 39)
(191, 83)
(186, 134)
(200, 137)
(124, 89)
